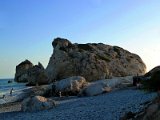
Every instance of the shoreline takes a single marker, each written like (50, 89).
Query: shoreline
(109, 105)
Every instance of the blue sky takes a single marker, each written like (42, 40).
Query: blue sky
(27, 28)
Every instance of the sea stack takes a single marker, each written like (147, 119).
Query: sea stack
(21, 74)
(93, 61)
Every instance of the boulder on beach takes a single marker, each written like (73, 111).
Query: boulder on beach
(95, 88)
(70, 86)
(21, 74)
(93, 61)
(119, 82)
(37, 103)
(106, 85)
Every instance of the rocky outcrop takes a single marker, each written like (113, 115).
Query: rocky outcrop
(151, 111)
(92, 61)
(37, 103)
(22, 71)
(151, 72)
(150, 80)
(37, 75)
(33, 74)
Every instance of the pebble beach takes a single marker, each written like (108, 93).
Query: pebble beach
(108, 106)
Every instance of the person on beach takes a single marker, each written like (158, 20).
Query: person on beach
(3, 96)
(11, 91)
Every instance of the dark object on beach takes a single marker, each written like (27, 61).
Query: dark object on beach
(3, 96)
(128, 116)
(137, 80)
(11, 91)
(153, 83)
(53, 91)
(9, 81)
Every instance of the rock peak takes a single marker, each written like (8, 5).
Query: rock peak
(62, 42)
(25, 62)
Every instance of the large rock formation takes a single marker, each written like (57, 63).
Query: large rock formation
(22, 71)
(92, 61)
(37, 75)
(33, 74)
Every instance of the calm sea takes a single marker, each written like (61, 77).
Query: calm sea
(5, 87)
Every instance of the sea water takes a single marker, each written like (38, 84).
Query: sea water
(6, 87)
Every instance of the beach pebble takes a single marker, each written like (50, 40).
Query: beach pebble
(109, 106)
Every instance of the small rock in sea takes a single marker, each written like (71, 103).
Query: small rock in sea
(9, 81)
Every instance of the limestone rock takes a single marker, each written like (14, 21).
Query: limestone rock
(92, 61)
(119, 82)
(33, 74)
(37, 75)
(40, 66)
(37, 103)
(22, 71)
(106, 85)
(70, 85)
(43, 90)
(95, 88)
